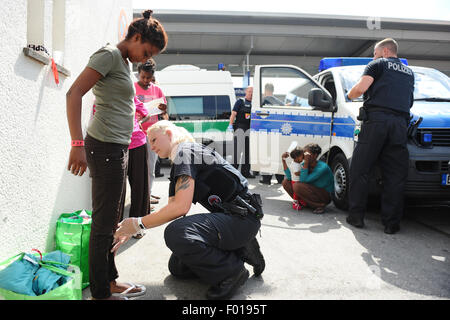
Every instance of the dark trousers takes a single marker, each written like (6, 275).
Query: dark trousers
(157, 167)
(241, 150)
(382, 139)
(139, 184)
(107, 164)
(205, 244)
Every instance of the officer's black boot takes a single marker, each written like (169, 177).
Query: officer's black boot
(266, 179)
(355, 221)
(280, 178)
(391, 229)
(246, 171)
(252, 255)
(226, 288)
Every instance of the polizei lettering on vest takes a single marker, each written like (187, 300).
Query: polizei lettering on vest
(399, 67)
(199, 310)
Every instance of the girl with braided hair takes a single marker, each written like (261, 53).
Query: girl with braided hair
(105, 147)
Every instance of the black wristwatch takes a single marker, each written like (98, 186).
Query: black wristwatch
(140, 224)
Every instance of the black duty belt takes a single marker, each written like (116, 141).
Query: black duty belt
(243, 205)
(373, 108)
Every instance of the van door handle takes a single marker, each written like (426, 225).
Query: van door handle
(262, 114)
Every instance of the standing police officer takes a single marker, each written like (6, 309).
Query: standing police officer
(214, 246)
(241, 112)
(388, 87)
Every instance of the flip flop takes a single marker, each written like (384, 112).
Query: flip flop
(154, 201)
(155, 197)
(319, 210)
(126, 293)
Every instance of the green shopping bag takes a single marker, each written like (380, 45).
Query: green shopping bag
(71, 290)
(72, 238)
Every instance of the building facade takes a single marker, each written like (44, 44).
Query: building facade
(36, 186)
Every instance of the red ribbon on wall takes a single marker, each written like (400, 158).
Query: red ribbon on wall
(55, 71)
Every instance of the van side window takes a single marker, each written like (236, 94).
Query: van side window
(282, 86)
(199, 107)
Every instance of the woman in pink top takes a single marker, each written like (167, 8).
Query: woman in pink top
(147, 91)
(137, 164)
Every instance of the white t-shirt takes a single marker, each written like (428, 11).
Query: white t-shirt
(295, 167)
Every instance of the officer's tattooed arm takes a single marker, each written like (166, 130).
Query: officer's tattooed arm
(184, 193)
(182, 183)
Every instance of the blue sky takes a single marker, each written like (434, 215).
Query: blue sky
(429, 9)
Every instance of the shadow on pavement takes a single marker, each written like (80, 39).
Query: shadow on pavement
(416, 259)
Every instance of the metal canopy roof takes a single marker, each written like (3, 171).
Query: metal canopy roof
(206, 38)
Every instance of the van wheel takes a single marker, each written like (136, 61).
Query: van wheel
(339, 166)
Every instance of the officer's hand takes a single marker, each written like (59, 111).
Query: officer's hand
(230, 128)
(127, 227)
(119, 241)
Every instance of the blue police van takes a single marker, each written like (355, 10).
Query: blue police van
(313, 109)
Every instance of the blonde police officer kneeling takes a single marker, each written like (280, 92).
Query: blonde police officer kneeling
(212, 247)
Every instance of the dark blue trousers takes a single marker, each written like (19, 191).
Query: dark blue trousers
(205, 244)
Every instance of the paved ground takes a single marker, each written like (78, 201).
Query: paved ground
(313, 256)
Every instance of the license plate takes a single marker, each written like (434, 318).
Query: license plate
(445, 179)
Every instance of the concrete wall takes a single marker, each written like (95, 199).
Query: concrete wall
(35, 186)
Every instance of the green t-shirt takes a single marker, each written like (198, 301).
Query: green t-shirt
(114, 105)
(321, 176)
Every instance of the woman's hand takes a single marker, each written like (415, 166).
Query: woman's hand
(307, 156)
(285, 155)
(162, 107)
(77, 161)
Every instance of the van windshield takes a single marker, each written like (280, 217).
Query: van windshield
(429, 83)
(199, 107)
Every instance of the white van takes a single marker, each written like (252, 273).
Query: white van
(315, 110)
(200, 101)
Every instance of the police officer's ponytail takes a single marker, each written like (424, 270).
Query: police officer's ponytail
(180, 134)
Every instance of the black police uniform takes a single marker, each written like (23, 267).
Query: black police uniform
(207, 245)
(241, 127)
(383, 138)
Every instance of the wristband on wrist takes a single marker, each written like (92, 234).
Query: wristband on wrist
(140, 224)
(77, 143)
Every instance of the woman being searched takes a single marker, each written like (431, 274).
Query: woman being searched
(316, 181)
(211, 247)
(105, 148)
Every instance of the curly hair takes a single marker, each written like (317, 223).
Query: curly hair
(150, 29)
(313, 148)
(148, 66)
(297, 152)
